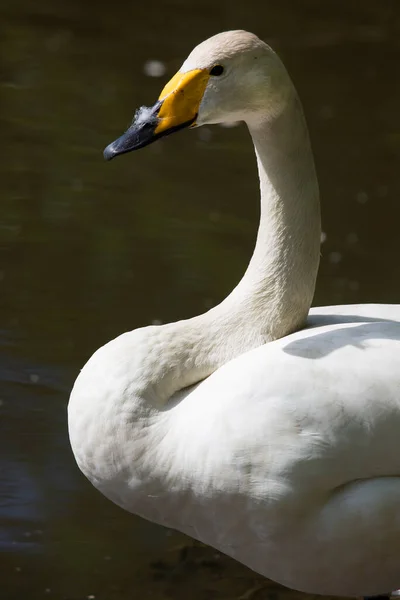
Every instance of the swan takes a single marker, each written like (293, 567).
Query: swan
(259, 428)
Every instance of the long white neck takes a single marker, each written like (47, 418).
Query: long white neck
(275, 293)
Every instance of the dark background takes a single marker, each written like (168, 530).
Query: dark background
(89, 249)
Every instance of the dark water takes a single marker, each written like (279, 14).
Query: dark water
(90, 249)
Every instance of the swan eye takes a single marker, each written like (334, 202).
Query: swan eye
(217, 70)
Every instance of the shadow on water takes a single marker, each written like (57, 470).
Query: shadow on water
(88, 250)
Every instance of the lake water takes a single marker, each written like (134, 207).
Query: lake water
(90, 249)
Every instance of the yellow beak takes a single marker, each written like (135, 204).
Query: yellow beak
(176, 108)
(181, 99)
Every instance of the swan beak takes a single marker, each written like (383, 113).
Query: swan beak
(176, 108)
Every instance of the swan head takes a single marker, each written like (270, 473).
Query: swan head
(232, 76)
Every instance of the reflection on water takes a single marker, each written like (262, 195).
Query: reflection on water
(90, 249)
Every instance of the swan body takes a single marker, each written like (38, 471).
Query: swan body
(258, 428)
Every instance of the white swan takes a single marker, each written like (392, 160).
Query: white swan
(284, 455)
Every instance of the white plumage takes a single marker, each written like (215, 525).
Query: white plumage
(278, 448)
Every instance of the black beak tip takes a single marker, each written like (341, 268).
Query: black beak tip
(110, 152)
(141, 133)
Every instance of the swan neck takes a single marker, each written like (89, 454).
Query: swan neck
(290, 229)
(279, 282)
(274, 296)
